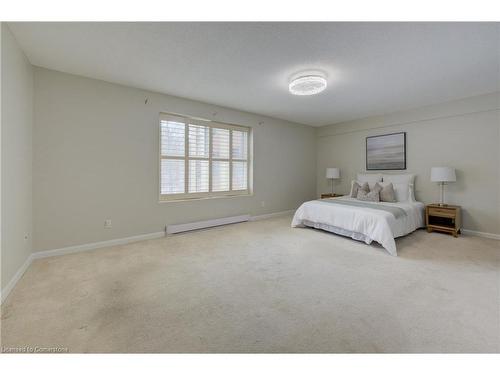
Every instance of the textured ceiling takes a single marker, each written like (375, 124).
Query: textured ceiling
(372, 68)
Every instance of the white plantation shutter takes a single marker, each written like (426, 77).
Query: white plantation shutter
(199, 144)
(240, 175)
(240, 160)
(220, 143)
(172, 169)
(172, 176)
(240, 144)
(220, 175)
(198, 176)
(220, 156)
(202, 158)
(172, 138)
(198, 141)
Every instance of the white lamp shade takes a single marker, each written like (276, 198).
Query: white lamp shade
(332, 173)
(443, 174)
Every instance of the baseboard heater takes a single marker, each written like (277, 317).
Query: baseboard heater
(178, 228)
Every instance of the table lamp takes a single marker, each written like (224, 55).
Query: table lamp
(443, 175)
(332, 174)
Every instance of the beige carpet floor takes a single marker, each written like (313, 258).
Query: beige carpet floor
(262, 287)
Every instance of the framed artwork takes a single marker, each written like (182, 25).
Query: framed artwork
(386, 152)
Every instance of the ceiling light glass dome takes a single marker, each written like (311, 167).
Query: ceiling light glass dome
(307, 85)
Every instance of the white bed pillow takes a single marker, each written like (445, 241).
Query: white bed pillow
(403, 185)
(371, 178)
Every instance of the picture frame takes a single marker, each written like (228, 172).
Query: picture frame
(386, 152)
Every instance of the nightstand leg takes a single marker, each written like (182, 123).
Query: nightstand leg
(455, 234)
(429, 230)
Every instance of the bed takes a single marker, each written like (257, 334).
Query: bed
(365, 221)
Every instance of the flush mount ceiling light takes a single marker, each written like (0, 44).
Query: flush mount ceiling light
(307, 85)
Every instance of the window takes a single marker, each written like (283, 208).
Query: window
(201, 158)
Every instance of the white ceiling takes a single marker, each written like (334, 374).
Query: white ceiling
(372, 68)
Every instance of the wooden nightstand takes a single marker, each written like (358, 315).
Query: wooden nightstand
(330, 195)
(443, 218)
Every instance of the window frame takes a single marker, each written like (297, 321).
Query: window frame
(186, 195)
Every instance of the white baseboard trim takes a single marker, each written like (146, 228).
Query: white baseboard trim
(12, 283)
(96, 245)
(179, 228)
(481, 234)
(272, 214)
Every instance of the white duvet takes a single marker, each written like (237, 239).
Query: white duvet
(361, 223)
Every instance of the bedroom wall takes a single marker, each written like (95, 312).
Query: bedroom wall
(16, 156)
(463, 134)
(96, 157)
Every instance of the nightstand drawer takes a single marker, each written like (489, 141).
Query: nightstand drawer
(442, 212)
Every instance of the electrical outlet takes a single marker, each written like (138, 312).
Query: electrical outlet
(107, 223)
(263, 203)
(26, 236)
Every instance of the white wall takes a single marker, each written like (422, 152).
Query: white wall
(16, 156)
(463, 134)
(96, 157)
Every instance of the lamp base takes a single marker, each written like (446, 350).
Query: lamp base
(441, 195)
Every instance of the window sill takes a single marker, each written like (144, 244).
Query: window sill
(204, 198)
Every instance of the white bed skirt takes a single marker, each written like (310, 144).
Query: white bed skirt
(343, 232)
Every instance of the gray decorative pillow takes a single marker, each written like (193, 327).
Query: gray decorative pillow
(372, 196)
(387, 194)
(356, 187)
